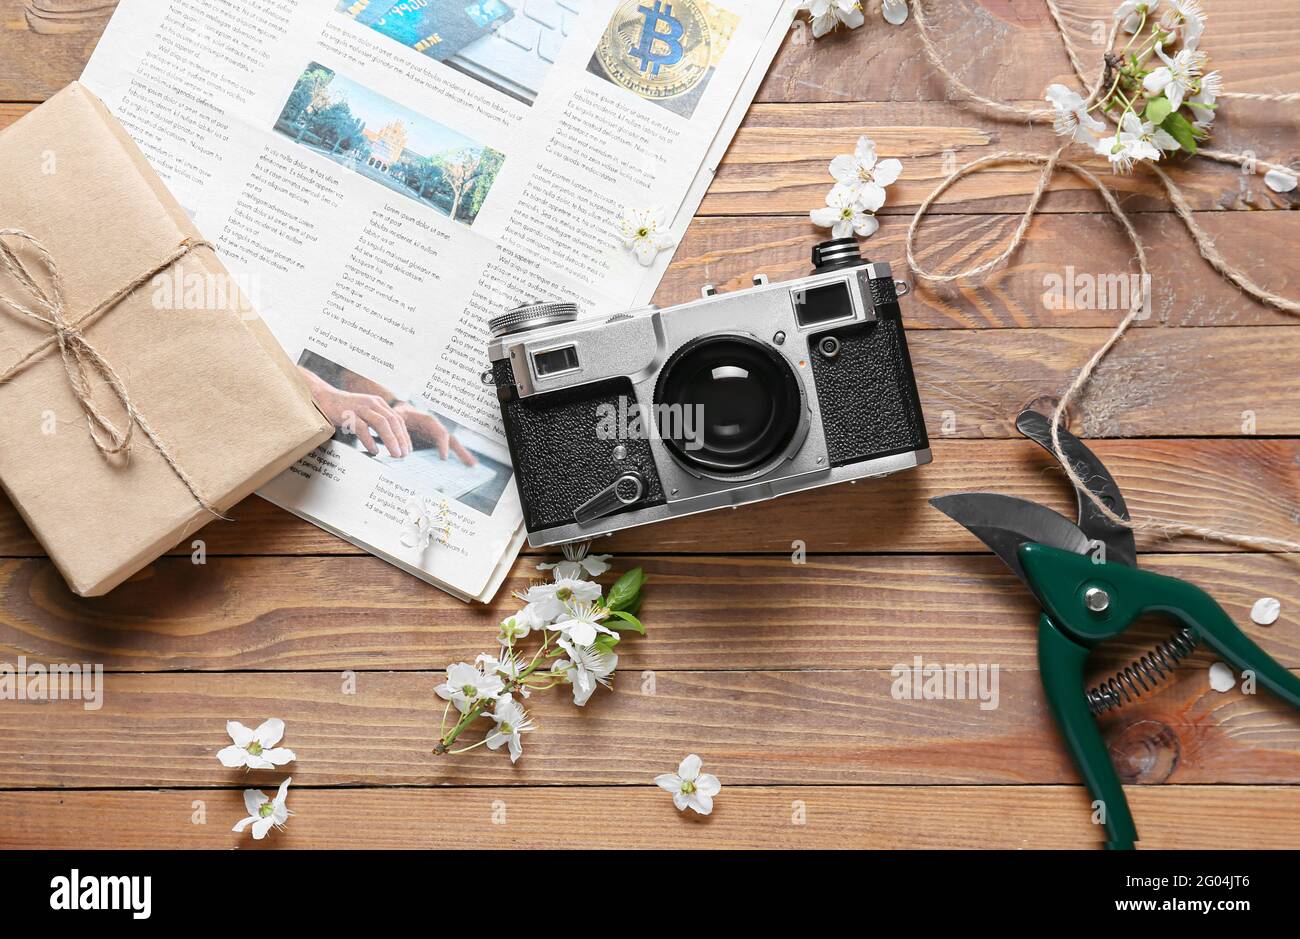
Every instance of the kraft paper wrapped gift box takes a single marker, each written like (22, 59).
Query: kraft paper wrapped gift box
(212, 407)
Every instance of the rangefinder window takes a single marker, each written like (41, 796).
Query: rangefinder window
(556, 360)
(818, 305)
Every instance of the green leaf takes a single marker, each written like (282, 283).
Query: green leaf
(1158, 109)
(630, 622)
(626, 589)
(605, 643)
(1180, 128)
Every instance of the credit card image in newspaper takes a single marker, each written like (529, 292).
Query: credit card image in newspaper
(440, 29)
(508, 45)
(366, 12)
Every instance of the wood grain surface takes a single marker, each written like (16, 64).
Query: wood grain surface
(841, 611)
(833, 817)
(754, 727)
(722, 252)
(780, 674)
(1248, 484)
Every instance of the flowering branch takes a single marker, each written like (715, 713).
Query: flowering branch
(508, 688)
(579, 628)
(1158, 92)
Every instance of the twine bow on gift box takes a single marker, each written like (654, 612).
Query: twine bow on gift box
(81, 360)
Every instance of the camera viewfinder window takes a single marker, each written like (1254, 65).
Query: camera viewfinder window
(823, 304)
(556, 360)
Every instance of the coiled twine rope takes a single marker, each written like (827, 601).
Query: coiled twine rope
(1050, 163)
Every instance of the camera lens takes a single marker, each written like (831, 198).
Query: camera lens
(727, 404)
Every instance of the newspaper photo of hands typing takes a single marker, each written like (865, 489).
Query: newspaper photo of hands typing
(387, 176)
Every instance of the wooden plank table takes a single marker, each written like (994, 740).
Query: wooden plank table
(777, 673)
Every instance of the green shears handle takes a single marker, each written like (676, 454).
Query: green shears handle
(1071, 588)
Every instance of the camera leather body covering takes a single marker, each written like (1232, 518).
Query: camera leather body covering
(868, 393)
(553, 434)
(615, 421)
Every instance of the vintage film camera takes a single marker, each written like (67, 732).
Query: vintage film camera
(633, 418)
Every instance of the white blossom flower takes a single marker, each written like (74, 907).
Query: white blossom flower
(1193, 29)
(585, 668)
(426, 521)
(863, 176)
(827, 14)
(894, 11)
(691, 789)
(551, 601)
(1136, 140)
(518, 627)
(508, 667)
(577, 562)
(1203, 102)
(845, 214)
(1280, 181)
(467, 684)
(1072, 118)
(581, 622)
(513, 629)
(255, 749)
(511, 721)
(1187, 16)
(1148, 134)
(1131, 11)
(1177, 77)
(264, 812)
(645, 233)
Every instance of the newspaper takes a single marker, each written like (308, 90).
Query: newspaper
(383, 177)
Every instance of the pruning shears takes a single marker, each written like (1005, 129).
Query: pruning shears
(1084, 575)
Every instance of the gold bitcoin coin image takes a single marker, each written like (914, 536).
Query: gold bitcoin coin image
(657, 48)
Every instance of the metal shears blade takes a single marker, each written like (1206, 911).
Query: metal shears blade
(1120, 546)
(1004, 523)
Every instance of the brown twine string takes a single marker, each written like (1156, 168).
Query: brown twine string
(81, 360)
(1291, 97)
(1050, 163)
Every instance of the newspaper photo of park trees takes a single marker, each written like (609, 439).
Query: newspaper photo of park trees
(389, 143)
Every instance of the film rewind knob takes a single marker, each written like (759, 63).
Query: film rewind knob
(626, 490)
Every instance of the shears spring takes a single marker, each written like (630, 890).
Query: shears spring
(1142, 674)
